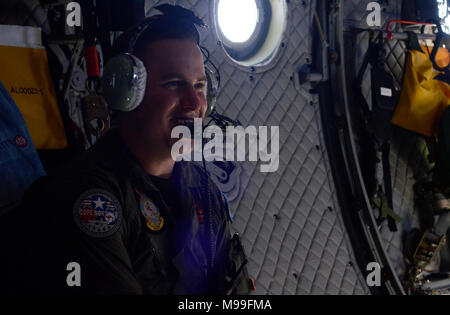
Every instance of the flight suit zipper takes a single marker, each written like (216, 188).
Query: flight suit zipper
(207, 192)
(211, 229)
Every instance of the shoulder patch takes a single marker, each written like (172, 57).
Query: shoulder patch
(97, 213)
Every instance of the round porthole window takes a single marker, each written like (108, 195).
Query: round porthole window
(250, 31)
(237, 25)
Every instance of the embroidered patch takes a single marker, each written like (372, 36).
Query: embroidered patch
(151, 213)
(97, 213)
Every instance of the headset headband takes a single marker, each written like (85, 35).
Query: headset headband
(170, 12)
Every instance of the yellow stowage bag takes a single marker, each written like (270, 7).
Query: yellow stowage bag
(423, 98)
(25, 74)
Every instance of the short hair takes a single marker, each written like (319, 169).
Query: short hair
(176, 23)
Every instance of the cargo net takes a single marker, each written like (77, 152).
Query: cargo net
(444, 14)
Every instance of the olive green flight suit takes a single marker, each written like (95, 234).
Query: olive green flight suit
(103, 212)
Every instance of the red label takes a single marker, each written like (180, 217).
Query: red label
(93, 68)
(87, 214)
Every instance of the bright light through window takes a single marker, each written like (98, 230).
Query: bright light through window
(237, 19)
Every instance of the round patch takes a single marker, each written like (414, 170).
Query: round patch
(20, 141)
(151, 213)
(97, 213)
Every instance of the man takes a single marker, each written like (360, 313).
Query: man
(131, 219)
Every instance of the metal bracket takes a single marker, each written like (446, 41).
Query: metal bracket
(304, 78)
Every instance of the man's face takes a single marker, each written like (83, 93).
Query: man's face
(175, 91)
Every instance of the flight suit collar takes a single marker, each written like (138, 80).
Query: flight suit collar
(184, 173)
(189, 173)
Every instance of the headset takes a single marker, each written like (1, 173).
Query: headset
(124, 77)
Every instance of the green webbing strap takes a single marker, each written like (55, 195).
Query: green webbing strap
(381, 203)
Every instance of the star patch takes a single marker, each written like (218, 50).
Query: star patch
(151, 213)
(97, 213)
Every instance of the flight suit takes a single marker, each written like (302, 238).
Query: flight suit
(103, 212)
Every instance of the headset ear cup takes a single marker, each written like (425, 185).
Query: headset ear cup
(139, 83)
(124, 81)
(211, 92)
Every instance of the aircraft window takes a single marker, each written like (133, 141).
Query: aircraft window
(250, 31)
(242, 26)
(237, 19)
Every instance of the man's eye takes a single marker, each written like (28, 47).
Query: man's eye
(200, 86)
(173, 84)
